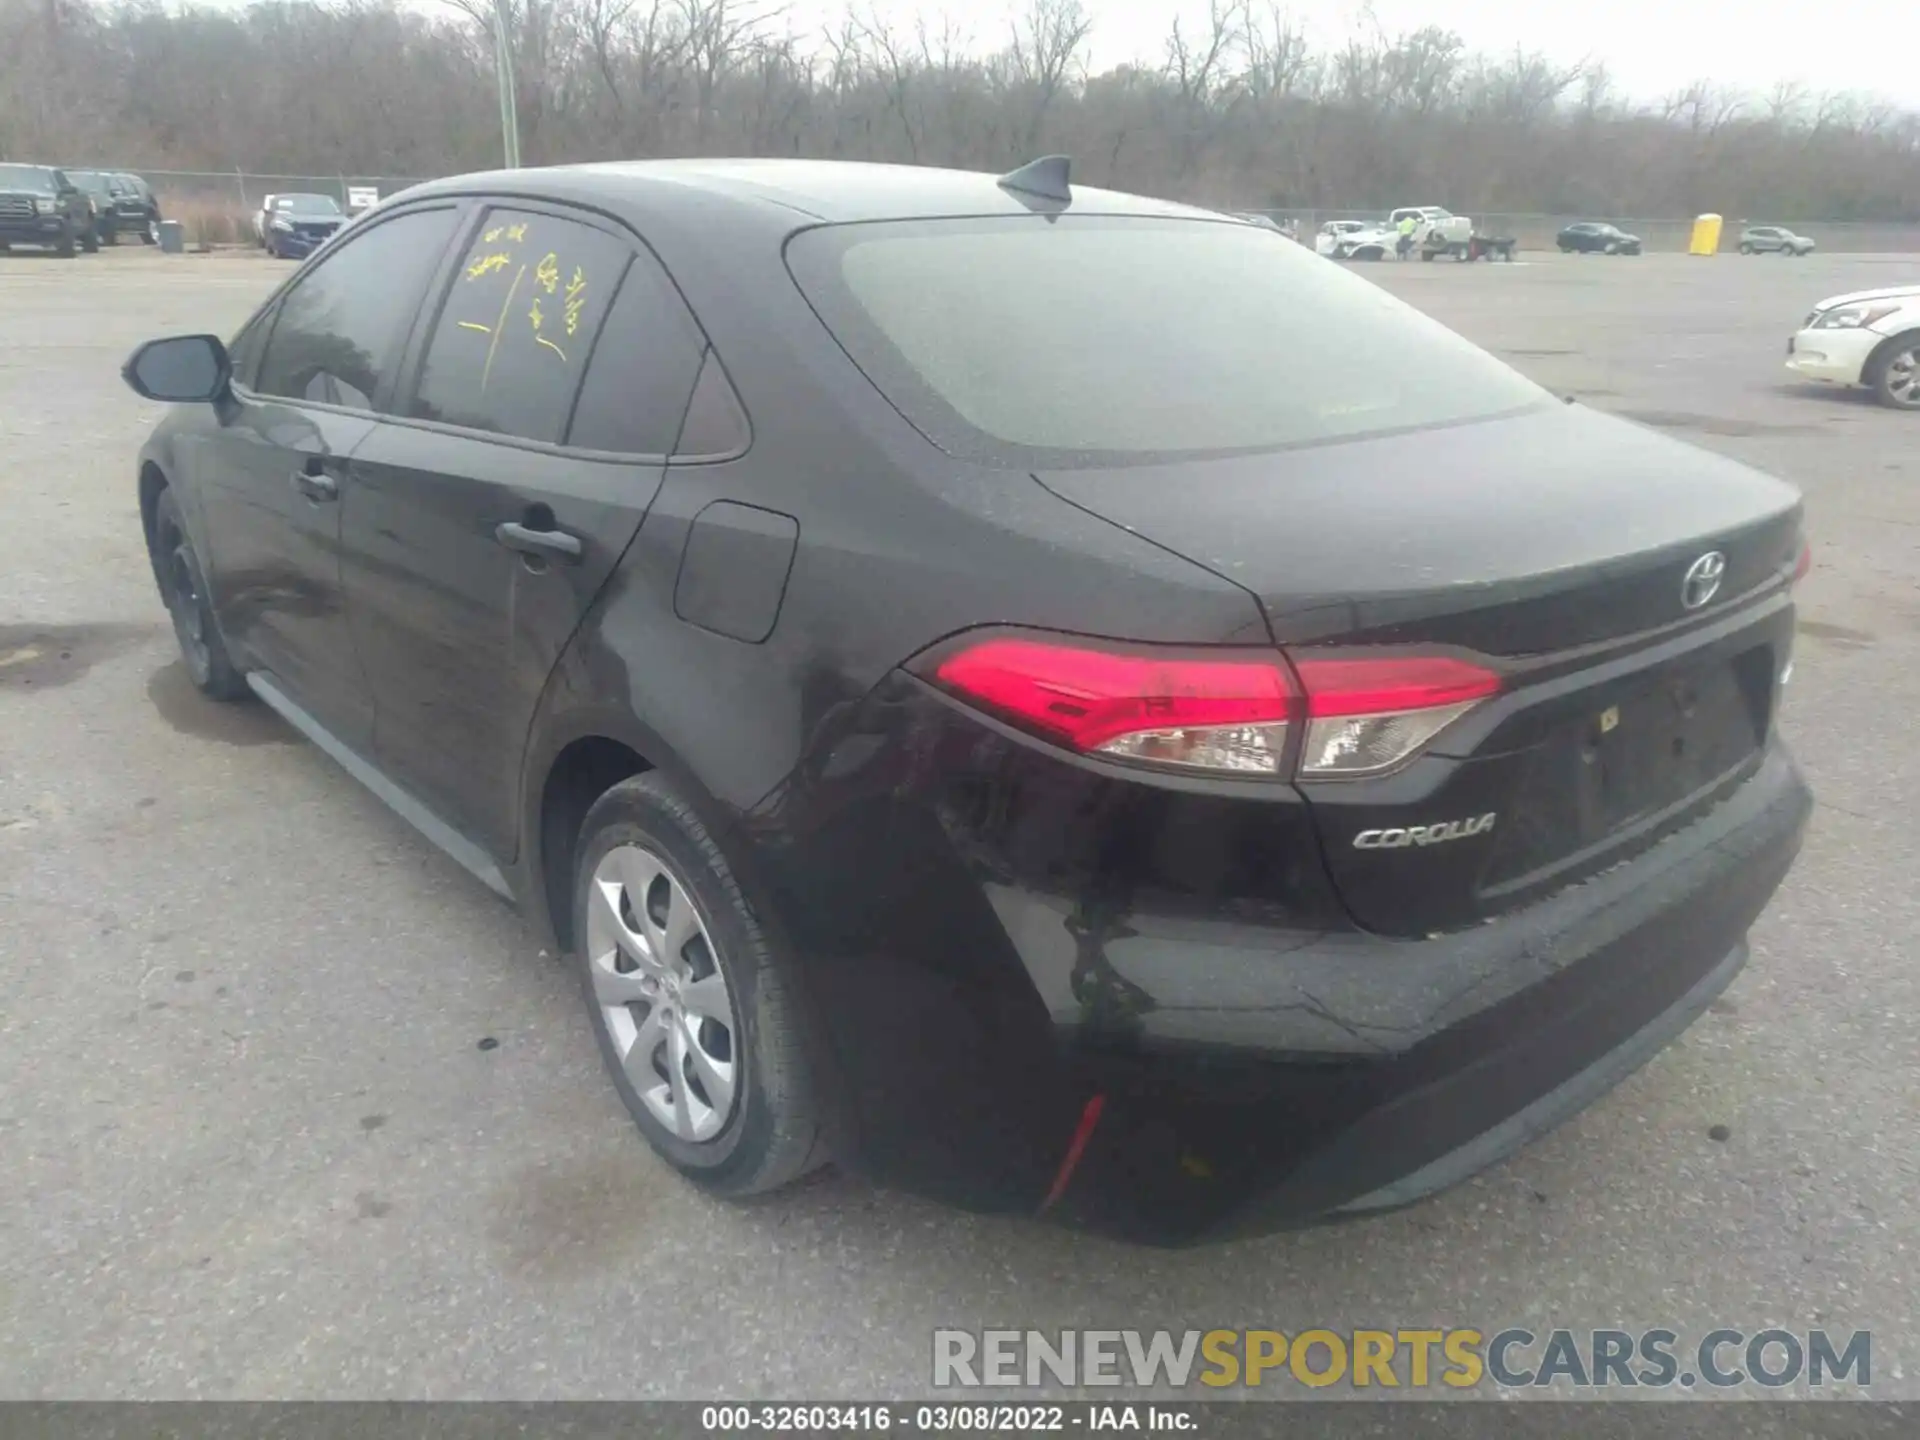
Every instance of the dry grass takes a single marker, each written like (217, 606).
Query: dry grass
(206, 221)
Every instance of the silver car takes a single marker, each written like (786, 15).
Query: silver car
(1757, 239)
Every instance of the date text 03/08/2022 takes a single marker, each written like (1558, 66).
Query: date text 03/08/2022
(941, 1419)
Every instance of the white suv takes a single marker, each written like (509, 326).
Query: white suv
(1870, 338)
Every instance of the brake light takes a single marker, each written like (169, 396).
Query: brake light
(1220, 711)
(1193, 712)
(1368, 716)
(1803, 564)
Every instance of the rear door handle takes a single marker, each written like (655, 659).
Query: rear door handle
(312, 481)
(538, 542)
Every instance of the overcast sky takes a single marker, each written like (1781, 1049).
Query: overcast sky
(1653, 47)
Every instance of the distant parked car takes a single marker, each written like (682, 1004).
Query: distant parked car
(298, 225)
(1354, 240)
(261, 217)
(1758, 239)
(1587, 236)
(135, 210)
(118, 207)
(39, 205)
(93, 184)
(1870, 338)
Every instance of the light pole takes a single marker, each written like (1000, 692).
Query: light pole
(503, 74)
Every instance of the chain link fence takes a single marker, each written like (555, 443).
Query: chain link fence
(217, 207)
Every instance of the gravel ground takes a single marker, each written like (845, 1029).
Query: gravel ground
(254, 1147)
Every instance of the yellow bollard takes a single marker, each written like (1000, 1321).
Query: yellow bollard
(1706, 235)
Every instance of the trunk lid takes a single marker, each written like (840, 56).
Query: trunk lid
(1556, 543)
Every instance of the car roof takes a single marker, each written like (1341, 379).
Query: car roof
(836, 191)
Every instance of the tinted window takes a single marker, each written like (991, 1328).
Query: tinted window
(1087, 337)
(642, 371)
(339, 328)
(518, 324)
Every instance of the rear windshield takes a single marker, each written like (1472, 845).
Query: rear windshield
(306, 204)
(1088, 340)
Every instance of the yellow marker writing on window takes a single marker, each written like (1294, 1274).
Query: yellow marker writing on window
(470, 325)
(547, 273)
(486, 264)
(576, 298)
(517, 232)
(494, 234)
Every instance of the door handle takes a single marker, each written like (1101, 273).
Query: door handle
(312, 481)
(538, 542)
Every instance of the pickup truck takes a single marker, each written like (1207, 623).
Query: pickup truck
(39, 205)
(1437, 232)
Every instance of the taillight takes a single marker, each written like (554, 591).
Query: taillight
(1223, 711)
(1367, 716)
(1803, 564)
(1158, 708)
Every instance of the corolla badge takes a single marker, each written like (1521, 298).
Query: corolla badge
(1702, 580)
(1401, 836)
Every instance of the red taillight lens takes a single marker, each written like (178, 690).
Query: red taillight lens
(1803, 564)
(1226, 712)
(1368, 716)
(1187, 711)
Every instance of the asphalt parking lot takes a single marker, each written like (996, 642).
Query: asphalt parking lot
(253, 1145)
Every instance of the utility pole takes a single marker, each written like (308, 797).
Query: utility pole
(503, 74)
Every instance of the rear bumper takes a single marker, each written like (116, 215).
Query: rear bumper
(993, 937)
(1479, 1043)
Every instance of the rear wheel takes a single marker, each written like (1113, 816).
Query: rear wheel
(1745, 248)
(184, 590)
(687, 1000)
(1894, 372)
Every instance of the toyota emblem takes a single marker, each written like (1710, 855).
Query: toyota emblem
(1702, 580)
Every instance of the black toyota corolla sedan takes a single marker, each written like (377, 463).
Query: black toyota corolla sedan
(1053, 699)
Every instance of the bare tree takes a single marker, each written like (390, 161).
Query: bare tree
(1047, 40)
(1239, 109)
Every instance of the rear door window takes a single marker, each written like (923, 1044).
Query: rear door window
(643, 368)
(518, 324)
(1088, 340)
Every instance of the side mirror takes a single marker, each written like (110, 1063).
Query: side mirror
(180, 370)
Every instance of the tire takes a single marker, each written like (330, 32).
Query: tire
(1612, 248)
(1745, 248)
(150, 232)
(176, 569)
(65, 247)
(644, 855)
(1893, 372)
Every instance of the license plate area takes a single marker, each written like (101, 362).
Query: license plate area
(1623, 763)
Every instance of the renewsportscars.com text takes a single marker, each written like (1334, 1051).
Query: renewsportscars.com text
(1456, 1358)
